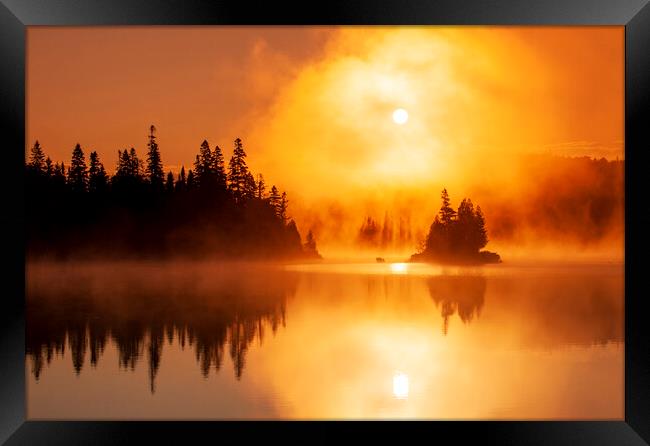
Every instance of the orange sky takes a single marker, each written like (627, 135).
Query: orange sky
(313, 105)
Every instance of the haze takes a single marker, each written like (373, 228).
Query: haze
(314, 107)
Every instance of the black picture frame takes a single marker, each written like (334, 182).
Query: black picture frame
(16, 15)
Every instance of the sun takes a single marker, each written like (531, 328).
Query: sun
(400, 386)
(400, 116)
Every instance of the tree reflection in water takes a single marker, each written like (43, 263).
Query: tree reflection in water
(83, 310)
(463, 295)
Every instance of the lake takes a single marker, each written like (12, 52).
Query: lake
(324, 341)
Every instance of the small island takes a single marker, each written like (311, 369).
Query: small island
(457, 237)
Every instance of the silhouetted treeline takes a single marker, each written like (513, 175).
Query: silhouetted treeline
(568, 199)
(457, 235)
(209, 210)
(392, 233)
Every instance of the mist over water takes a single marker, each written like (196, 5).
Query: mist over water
(187, 340)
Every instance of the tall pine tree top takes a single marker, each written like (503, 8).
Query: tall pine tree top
(447, 213)
(154, 169)
(219, 168)
(37, 158)
(78, 172)
(238, 172)
(97, 177)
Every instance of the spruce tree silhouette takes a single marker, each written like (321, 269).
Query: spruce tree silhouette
(283, 207)
(219, 169)
(260, 188)
(274, 200)
(238, 173)
(447, 214)
(310, 247)
(250, 189)
(37, 158)
(154, 168)
(97, 177)
(204, 167)
(78, 172)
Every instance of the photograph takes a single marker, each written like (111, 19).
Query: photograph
(404, 222)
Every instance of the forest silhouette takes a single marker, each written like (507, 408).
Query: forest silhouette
(211, 210)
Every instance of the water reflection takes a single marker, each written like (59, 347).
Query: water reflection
(83, 307)
(346, 341)
(457, 294)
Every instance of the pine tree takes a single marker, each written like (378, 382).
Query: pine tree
(368, 232)
(274, 200)
(481, 231)
(219, 168)
(462, 236)
(135, 165)
(251, 186)
(437, 241)
(97, 177)
(154, 169)
(238, 172)
(283, 208)
(123, 164)
(204, 166)
(447, 214)
(37, 158)
(78, 172)
(260, 187)
(310, 245)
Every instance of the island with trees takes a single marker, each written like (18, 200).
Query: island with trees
(211, 210)
(457, 236)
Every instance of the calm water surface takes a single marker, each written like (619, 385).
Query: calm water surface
(360, 341)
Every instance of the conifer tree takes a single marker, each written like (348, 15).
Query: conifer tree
(219, 168)
(274, 200)
(251, 186)
(123, 165)
(97, 177)
(310, 245)
(135, 165)
(154, 168)
(238, 172)
(204, 166)
(260, 188)
(481, 231)
(37, 158)
(78, 172)
(447, 213)
(283, 208)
